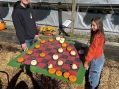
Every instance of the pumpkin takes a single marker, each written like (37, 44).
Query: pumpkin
(60, 50)
(55, 56)
(42, 41)
(2, 26)
(51, 70)
(64, 45)
(58, 38)
(21, 59)
(29, 52)
(50, 65)
(69, 49)
(42, 54)
(60, 62)
(66, 74)
(37, 46)
(62, 40)
(33, 62)
(51, 40)
(72, 78)
(73, 53)
(58, 73)
(47, 33)
(74, 66)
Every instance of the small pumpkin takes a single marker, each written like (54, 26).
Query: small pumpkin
(69, 49)
(29, 52)
(55, 56)
(51, 70)
(47, 33)
(50, 65)
(66, 74)
(58, 73)
(2, 26)
(42, 41)
(60, 50)
(42, 54)
(33, 62)
(64, 45)
(57, 38)
(51, 40)
(37, 46)
(21, 59)
(62, 40)
(72, 78)
(73, 53)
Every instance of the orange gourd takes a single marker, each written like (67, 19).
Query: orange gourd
(42, 54)
(51, 40)
(47, 33)
(42, 41)
(69, 49)
(2, 26)
(52, 70)
(64, 45)
(58, 73)
(21, 59)
(66, 74)
(37, 46)
(29, 52)
(72, 78)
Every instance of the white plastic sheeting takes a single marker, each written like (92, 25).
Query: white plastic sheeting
(70, 1)
(51, 17)
(98, 1)
(111, 22)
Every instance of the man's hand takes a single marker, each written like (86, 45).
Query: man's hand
(24, 46)
(37, 37)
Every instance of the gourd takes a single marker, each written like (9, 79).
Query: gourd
(42, 54)
(64, 45)
(21, 59)
(42, 41)
(37, 46)
(69, 49)
(29, 52)
(51, 70)
(72, 78)
(51, 40)
(66, 74)
(58, 73)
(2, 26)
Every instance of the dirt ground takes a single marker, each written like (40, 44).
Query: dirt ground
(16, 77)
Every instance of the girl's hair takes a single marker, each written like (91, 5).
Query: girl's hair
(100, 30)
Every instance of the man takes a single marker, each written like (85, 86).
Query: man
(24, 23)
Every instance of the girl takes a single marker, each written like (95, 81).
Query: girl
(95, 55)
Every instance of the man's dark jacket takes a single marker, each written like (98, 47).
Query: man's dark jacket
(23, 20)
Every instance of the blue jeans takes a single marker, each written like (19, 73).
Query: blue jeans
(30, 42)
(96, 67)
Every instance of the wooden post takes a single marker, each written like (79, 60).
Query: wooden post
(73, 16)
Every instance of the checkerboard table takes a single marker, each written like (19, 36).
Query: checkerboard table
(49, 49)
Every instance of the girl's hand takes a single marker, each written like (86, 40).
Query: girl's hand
(86, 65)
(24, 46)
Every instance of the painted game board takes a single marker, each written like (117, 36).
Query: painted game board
(51, 48)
